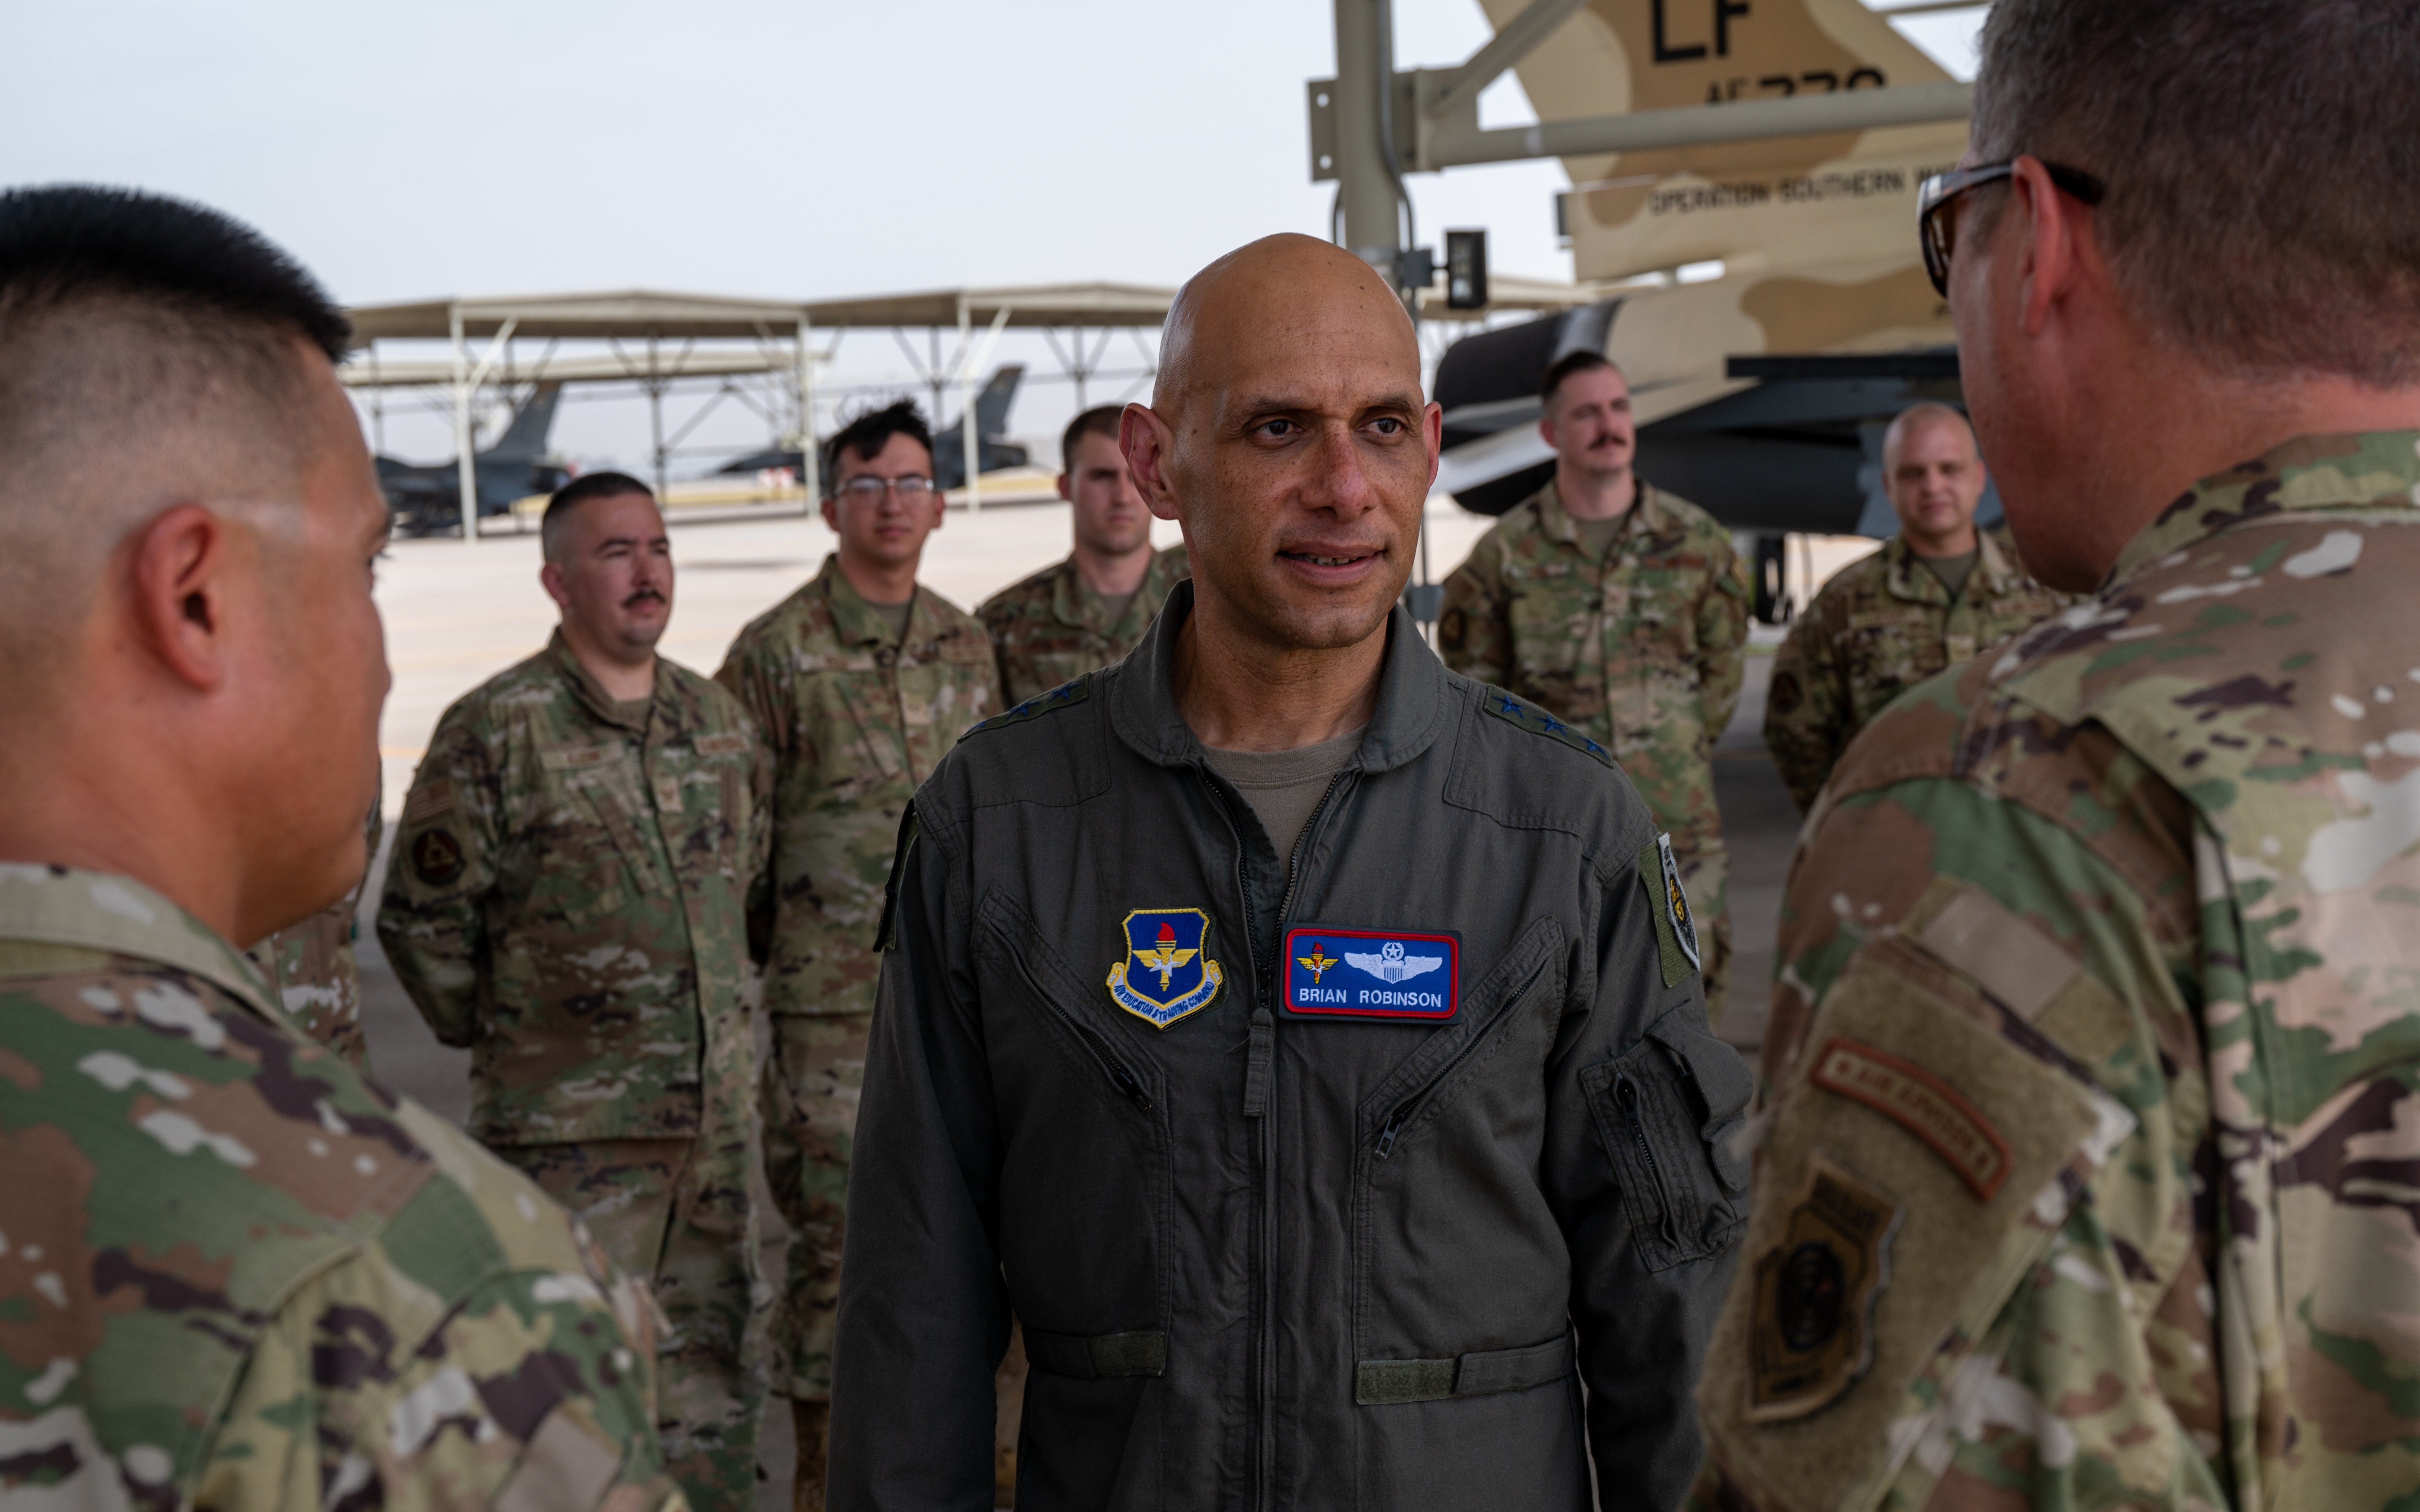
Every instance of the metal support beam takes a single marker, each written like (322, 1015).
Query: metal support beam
(1520, 38)
(465, 462)
(810, 458)
(1366, 201)
(1850, 110)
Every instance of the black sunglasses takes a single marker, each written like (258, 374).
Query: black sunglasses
(1937, 194)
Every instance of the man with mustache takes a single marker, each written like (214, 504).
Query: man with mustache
(1622, 609)
(577, 883)
(1302, 1041)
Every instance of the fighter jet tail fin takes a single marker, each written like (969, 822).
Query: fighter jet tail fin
(524, 440)
(991, 405)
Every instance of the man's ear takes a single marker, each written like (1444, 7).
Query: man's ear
(2055, 232)
(1433, 425)
(1067, 487)
(1147, 441)
(180, 571)
(549, 577)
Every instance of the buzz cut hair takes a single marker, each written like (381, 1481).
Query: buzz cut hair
(555, 524)
(2256, 155)
(1926, 412)
(1101, 419)
(152, 352)
(864, 438)
(1571, 362)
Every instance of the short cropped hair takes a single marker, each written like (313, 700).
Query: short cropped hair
(1582, 361)
(552, 525)
(1101, 419)
(1926, 412)
(151, 351)
(2257, 156)
(867, 436)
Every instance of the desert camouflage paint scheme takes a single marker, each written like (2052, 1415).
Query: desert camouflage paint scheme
(571, 896)
(1883, 624)
(313, 970)
(1051, 629)
(2141, 892)
(1641, 651)
(857, 719)
(237, 1274)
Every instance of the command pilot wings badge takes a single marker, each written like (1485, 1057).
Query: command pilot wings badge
(1166, 973)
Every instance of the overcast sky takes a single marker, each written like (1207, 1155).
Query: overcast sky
(737, 147)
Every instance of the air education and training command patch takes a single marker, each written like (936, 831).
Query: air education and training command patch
(1167, 972)
(1334, 972)
(1811, 1330)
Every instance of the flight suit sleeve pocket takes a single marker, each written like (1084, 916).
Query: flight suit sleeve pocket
(1665, 1111)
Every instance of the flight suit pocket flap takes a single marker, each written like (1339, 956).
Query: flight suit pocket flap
(1927, 1151)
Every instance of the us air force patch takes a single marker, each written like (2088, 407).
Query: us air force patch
(1167, 972)
(1676, 904)
(1336, 972)
(1811, 1334)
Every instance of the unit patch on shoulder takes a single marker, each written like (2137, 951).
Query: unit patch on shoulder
(436, 856)
(1787, 693)
(1923, 1104)
(1676, 927)
(1811, 1321)
(1167, 972)
(1337, 972)
(1539, 722)
(1065, 696)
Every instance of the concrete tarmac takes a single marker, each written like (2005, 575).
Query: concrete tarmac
(458, 613)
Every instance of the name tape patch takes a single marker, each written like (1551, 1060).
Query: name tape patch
(1334, 971)
(1923, 1104)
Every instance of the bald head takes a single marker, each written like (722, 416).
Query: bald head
(1280, 291)
(1935, 478)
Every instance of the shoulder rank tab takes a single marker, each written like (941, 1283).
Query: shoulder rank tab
(1537, 722)
(1065, 695)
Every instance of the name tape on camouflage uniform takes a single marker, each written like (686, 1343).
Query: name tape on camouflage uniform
(1923, 1104)
(1811, 1328)
(1342, 972)
(1167, 972)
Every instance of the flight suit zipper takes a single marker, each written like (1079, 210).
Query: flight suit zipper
(1128, 1085)
(1405, 1110)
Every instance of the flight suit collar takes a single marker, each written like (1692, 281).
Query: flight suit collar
(856, 622)
(2371, 470)
(1079, 607)
(1555, 522)
(95, 911)
(1410, 712)
(592, 693)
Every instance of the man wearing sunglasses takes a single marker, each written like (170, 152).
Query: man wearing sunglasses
(862, 679)
(2091, 1101)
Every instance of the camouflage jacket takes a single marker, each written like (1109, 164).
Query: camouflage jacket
(857, 720)
(1050, 628)
(237, 1274)
(313, 969)
(569, 897)
(2090, 1067)
(1883, 624)
(1641, 650)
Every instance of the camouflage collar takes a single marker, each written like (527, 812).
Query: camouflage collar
(94, 911)
(591, 693)
(1990, 576)
(1142, 699)
(1076, 605)
(1555, 522)
(858, 622)
(2372, 469)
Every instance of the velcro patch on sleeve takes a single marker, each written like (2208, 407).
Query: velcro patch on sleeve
(429, 800)
(1923, 1104)
(2008, 957)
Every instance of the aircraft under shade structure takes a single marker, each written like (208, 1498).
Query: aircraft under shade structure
(949, 444)
(428, 499)
(1762, 385)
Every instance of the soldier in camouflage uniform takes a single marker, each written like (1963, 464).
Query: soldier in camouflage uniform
(312, 968)
(2091, 1074)
(1090, 609)
(1628, 620)
(1937, 593)
(233, 1273)
(570, 899)
(862, 680)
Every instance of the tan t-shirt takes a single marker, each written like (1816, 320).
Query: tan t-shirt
(1596, 535)
(1284, 786)
(895, 616)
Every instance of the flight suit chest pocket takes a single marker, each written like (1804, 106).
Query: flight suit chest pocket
(1666, 1112)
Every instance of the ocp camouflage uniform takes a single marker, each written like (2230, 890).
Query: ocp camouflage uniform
(1642, 650)
(1883, 624)
(1051, 629)
(235, 1273)
(2092, 1065)
(857, 717)
(569, 898)
(312, 968)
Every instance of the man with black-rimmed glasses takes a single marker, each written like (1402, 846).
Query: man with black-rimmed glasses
(862, 680)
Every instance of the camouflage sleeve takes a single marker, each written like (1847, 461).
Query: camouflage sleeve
(1722, 639)
(748, 670)
(431, 917)
(758, 854)
(1985, 1143)
(1474, 626)
(1806, 707)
